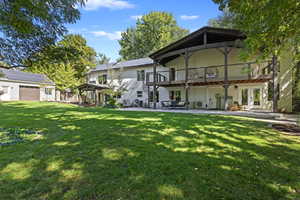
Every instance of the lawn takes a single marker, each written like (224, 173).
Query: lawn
(94, 153)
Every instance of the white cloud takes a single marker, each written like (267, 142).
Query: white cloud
(136, 17)
(117, 35)
(189, 17)
(111, 4)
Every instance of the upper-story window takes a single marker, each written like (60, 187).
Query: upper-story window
(102, 79)
(139, 94)
(140, 75)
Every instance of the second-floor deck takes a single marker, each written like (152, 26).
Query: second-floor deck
(212, 75)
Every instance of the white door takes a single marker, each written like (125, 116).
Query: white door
(251, 97)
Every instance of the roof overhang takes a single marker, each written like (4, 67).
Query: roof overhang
(204, 38)
(92, 87)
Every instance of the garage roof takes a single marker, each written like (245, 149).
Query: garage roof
(15, 75)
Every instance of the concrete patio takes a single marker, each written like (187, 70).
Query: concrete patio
(256, 115)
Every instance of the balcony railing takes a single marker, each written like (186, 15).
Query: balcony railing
(239, 71)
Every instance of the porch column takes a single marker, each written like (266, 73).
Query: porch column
(186, 61)
(154, 85)
(96, 98)
(226, 83)
(275, 84)
(148, 89)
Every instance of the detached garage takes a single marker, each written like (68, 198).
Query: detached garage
(17, 85)
(29, 93)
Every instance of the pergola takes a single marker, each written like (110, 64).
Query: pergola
(205, 38)
(92, 88)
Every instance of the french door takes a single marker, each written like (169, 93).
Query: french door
(251, 97)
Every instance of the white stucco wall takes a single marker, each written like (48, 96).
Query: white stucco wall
(128, 76)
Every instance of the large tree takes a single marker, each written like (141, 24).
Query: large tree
(270, 25)
(102, 59)
(152, 32)
(225, 20)
(27, 26)
(71, 51)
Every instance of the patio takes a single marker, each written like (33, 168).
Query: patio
(265, 116)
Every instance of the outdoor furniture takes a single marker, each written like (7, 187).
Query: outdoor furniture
(173, 104)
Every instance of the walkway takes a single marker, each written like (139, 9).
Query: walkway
(257, 115)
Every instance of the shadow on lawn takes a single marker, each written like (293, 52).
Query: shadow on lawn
(91, 153)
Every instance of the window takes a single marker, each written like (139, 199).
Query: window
(256, 95)
(151, 96)
(244, 97)
(271, 91)
(48, 91)
(139, 94)
(92, 82)
(172, 74)
(102, 79)
(140, 75)
(175, 95)
(4, 90)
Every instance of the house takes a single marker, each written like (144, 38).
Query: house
(200, 71)
(24, 86)
(131, 75)
(205, 71)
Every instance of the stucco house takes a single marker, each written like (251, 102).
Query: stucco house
(131, 75)
(24, 86)
(205, 71)
(201, 71)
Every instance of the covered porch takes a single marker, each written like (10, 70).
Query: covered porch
(241, 97)
(213, 86)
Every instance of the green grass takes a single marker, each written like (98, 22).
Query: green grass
(94, 153)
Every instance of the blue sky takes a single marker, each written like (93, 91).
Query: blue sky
(102, 21)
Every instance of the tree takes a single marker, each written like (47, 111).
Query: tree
(270, 25)
(72, 49)
(102, 59)
(225, 20)
(28, 26)
(152, 32)
(64, 77)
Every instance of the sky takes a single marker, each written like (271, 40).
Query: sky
(103, 21)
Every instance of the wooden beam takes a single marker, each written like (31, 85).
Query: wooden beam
(275, 83)
(154, 85)
(186, 61)
(202, 47)
(226, 83)
(148, 88)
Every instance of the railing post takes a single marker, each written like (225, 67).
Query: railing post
(249, 71)
(205, 74)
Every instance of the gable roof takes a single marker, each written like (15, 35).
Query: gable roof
(15, 75)
(141, 62)
(214, 35)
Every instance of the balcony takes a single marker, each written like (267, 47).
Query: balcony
(212, 75)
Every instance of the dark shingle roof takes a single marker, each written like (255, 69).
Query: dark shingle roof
(124, 64)
(15, 75)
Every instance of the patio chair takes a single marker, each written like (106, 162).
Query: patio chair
(165, 104)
